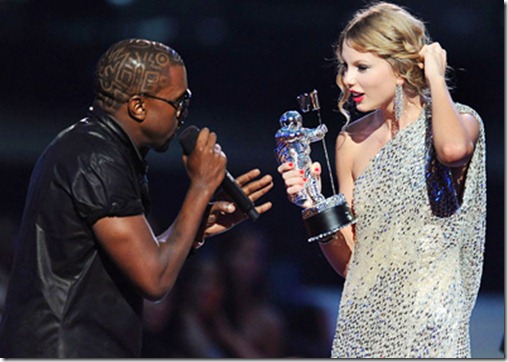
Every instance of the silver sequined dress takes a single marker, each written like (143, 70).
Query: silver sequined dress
(413, 277)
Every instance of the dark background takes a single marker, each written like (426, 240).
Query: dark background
(246, 61)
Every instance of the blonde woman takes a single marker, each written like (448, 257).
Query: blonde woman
(413, 171)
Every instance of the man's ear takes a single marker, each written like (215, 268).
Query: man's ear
(136, 108)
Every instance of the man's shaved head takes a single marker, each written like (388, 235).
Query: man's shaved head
(131, 67)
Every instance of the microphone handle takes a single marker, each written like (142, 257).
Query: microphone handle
(188, 140)
(231, 187)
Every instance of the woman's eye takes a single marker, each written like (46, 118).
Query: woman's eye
(362, 68)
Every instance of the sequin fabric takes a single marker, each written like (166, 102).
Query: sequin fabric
(414, 276)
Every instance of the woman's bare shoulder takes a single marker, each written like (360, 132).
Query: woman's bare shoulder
(360, 129)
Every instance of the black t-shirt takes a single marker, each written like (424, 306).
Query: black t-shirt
(66, 297)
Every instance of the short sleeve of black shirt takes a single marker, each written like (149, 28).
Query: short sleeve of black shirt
(103, 180)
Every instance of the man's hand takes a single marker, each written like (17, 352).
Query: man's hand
(206, 165)
(224, 214)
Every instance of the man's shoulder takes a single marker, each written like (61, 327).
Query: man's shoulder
(86, 135)
(85, 144)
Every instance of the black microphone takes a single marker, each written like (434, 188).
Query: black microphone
(188, 139)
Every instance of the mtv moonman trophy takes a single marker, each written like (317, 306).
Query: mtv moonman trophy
(322, 217)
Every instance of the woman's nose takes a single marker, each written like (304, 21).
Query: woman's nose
(348, 78)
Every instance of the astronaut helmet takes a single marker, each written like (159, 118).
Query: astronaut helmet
(291, 119)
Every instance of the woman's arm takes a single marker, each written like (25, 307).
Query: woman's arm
(454, 134)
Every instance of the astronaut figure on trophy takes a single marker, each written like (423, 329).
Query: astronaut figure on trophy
(293, 145)
(323, 217)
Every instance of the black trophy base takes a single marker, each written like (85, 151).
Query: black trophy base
(326, 218)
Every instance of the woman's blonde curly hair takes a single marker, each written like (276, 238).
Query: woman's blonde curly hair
(392, 33)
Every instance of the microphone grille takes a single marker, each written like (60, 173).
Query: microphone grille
(188, 139)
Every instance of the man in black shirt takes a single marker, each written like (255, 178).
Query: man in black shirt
(86, 255)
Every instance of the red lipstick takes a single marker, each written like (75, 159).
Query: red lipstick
(357, 97)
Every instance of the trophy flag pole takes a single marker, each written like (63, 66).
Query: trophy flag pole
(315, 100)
(307, 101)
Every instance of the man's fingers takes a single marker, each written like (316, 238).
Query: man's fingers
(248, 176)
(260, 189)
(264, 207)
(256, 185)
(223, 207)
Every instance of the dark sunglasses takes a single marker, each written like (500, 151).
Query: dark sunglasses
(181, 105)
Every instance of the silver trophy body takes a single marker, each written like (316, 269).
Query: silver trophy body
(293, 145)
(323, 217)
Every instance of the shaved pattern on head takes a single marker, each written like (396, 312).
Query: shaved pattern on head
(131, 67)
